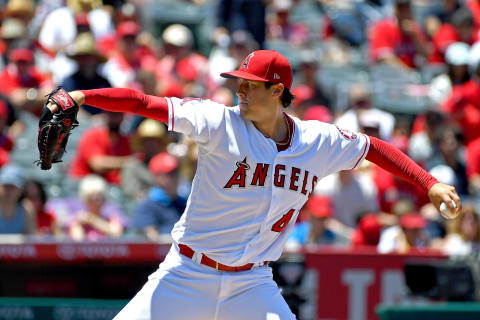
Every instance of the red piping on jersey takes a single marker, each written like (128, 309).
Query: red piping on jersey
(391, 159)
(364, 150)
(128, 100)
(288, 139)
(173, 113)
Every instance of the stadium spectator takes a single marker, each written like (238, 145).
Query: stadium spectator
(473, 166)
(22, 10)
(360, 109)
(163, 207)
(88, 61)
(46, 224)
(309, 69)
(6, 143)
(422, 145)
(451, 153)
(16, 217)
(61, 26)
(463, 104)
(11, 31)
(233, 15)
(407, 236)
(150, 139)
(456, 58)
(59, 29)
(367, 232)
(463, 236)
(93, 222)
(128, 59)
(399, 40)
(182, 72)
(460, 29)
(280, 27)
(23, 84)
(315, 230)
(103, 150)
(359, 189)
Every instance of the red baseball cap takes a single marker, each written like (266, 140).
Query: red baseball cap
(320, 206)
(302, 93)
(17, 55)
(266, 66)
(128, 28)
(320, 113)
(163, 163)
(412, 221)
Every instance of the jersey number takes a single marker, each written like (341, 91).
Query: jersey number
(283, 221)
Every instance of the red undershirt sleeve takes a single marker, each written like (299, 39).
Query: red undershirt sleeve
(128, 100)
(396, 162)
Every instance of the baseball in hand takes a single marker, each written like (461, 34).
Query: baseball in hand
(446, 212)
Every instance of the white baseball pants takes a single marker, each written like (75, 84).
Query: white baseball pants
(181, 289)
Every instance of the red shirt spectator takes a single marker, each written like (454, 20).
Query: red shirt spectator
(464, 107)
(367, 232)
(21, 73)
(473, 158)
(392, 189)
(99, 142)
(387, 39)
(6, 143)
(460, 29)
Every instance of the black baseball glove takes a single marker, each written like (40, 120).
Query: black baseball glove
(54, 128)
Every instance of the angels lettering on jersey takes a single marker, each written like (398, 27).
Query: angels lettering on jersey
(299, 180)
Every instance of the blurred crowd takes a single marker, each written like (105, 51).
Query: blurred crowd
(363, 65)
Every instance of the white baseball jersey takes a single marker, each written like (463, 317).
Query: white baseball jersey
(246, 195)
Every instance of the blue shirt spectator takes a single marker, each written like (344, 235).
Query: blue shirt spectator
(158, 213)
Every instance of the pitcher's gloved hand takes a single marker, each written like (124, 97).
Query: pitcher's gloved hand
(54, 128)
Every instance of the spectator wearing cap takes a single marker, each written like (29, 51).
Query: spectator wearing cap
(15, 216)
(150, 139)
(163, 207)
(129, 57)
(182, 72)
(399, 40)
(22, 10)
(361, 113)
(88, 60)
(460, 29)
(367, 232)
(6, 143)
(315, 230)
(11, 30)
(93, 222)
(456, 59)
(280, 27)
(463, 104)
(407, 236)
(59, 29)
(21, 81)
(103, 150)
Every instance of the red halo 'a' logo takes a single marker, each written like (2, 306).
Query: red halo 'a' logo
(347, 134)
(246, 62)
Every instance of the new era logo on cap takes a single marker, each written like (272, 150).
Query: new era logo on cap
(266, 66)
